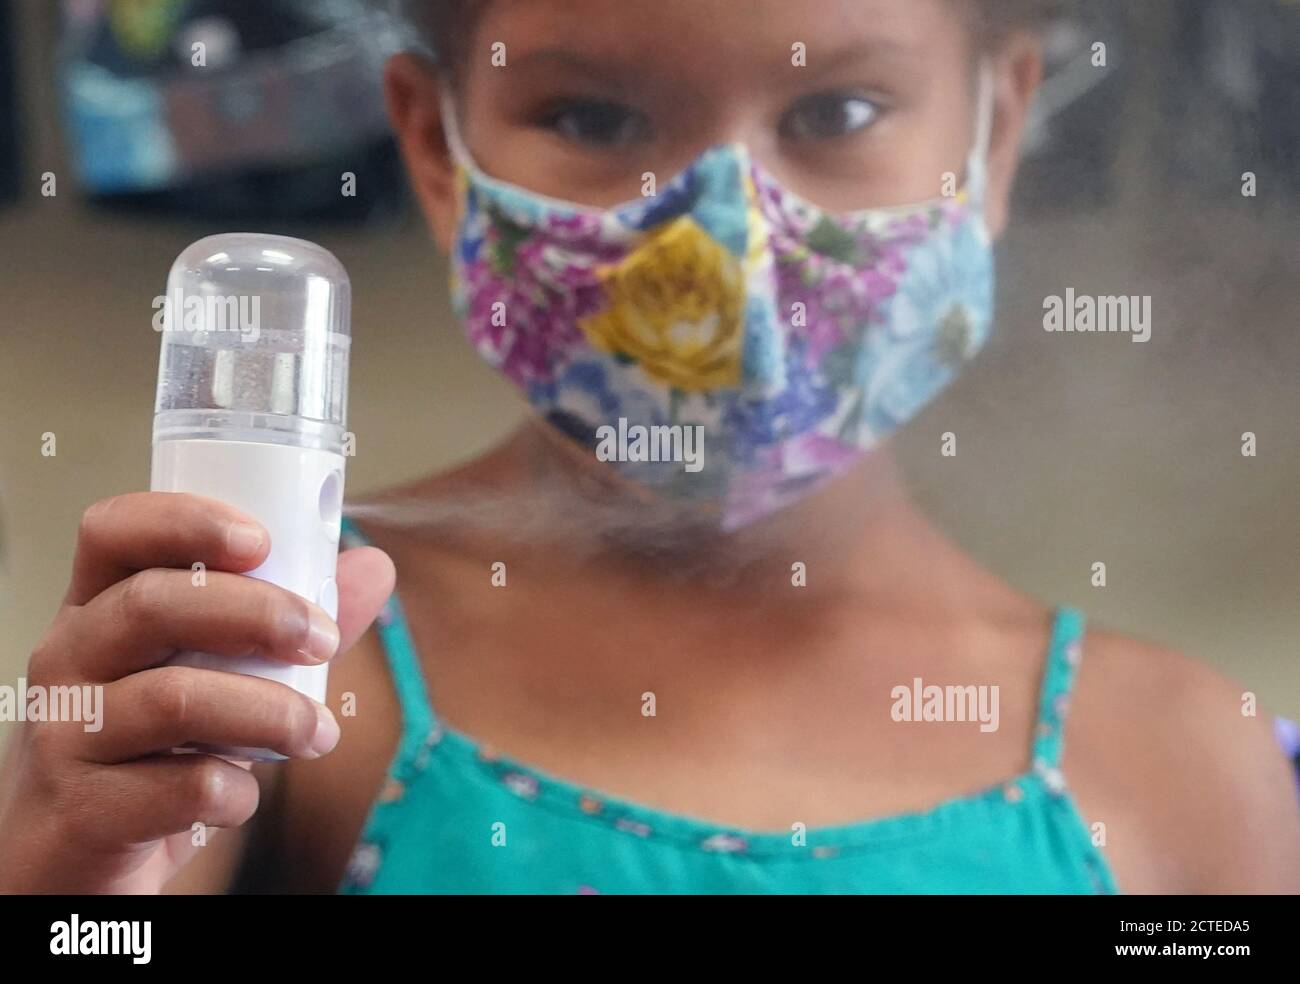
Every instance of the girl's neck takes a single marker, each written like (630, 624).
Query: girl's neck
(540, 499)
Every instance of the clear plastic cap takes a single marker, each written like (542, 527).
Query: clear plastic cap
(255, 337)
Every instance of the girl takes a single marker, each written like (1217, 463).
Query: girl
(762, 226)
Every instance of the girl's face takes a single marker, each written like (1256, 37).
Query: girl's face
(850, 103)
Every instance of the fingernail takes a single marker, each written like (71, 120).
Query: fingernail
(322, 635)
(326, 735)
(244, 539)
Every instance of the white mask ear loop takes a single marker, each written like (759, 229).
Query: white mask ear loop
(984, 106)
(451, 132)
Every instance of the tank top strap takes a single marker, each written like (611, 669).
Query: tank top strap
(1064, 654)
(420, 728)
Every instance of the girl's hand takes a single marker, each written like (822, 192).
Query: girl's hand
(111, 810)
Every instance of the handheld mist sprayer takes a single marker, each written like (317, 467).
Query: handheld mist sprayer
(252, 410)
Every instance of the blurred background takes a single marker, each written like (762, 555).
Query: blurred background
(115, 153)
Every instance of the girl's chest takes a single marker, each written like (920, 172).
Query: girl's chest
(754, 724)
(759, 725)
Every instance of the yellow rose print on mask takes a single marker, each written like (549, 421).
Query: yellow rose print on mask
(676, 307)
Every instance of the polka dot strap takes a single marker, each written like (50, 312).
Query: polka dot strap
(418, 720)
(1063, 657)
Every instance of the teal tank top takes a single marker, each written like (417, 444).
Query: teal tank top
(455, 817)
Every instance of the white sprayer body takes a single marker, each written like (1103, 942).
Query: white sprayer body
(296, 493)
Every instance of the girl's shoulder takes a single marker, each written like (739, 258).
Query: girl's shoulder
(1181, 768)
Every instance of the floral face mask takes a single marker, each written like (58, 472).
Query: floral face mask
(723, 342)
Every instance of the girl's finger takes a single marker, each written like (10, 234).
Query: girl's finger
(365, 578)
(134, 532)
(158, 710)
(152, 615)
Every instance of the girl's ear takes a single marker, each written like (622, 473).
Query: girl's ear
(413, 92)
(1017, 70)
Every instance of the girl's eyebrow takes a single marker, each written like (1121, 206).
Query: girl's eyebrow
(616, 69)
(613, 71)
(874, 50)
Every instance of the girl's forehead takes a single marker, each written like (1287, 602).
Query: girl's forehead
(714, 48)
(691, 30)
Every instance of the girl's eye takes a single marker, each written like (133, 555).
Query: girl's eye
(601, 125)
(828, 115)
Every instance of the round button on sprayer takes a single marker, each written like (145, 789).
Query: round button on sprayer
(331, 503)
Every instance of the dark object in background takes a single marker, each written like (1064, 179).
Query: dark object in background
(1212, 98)
(1234, 90)
(9, 160)
(226, 109)
(1072, 141)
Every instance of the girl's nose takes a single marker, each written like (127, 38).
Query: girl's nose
(722, 199)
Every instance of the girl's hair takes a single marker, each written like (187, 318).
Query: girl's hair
(995, 19)
(444, 25)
